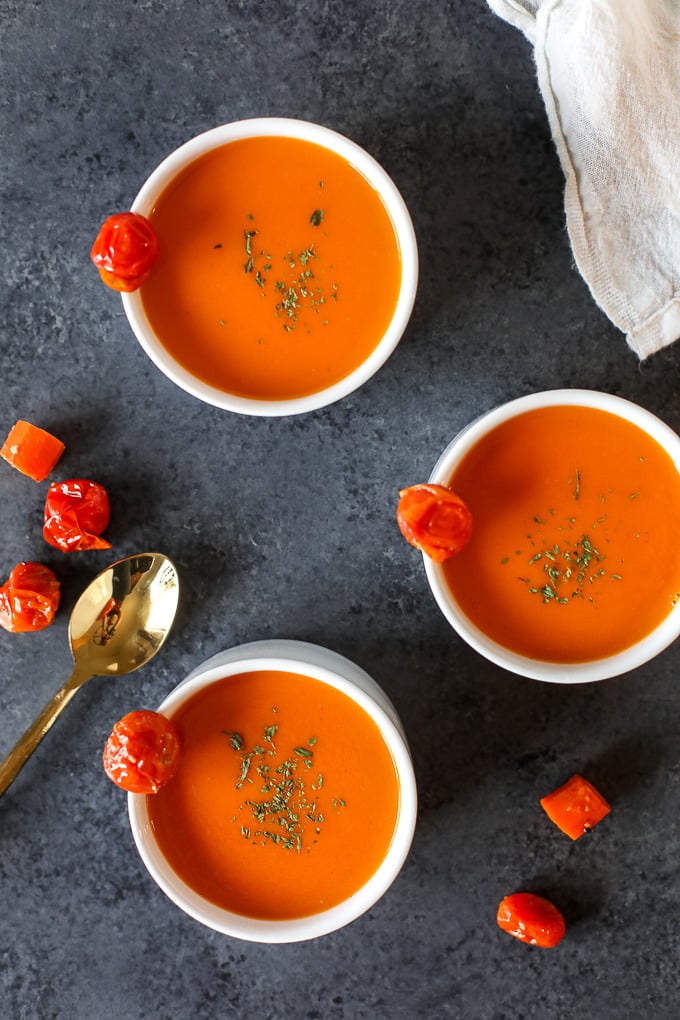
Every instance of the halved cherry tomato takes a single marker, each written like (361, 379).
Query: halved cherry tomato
(576, 807)
(31, 450)
(29, 599)
(125, 250)
(434, 519)
(531, 919)
(142, 753)
(76, 513)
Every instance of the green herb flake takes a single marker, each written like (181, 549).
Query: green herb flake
(577, 487)
(235, 739)
(245, 768)
(249, 235)
(316, 218)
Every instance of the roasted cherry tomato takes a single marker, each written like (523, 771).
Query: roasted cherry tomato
(142, 753)
(576, 807)
(76, 513)
(531, 919)
(31, 450)
(434, 519)
(125, 250)
(29, 599)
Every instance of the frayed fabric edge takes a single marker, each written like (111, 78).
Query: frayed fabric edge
(515, 13)
(657, 331)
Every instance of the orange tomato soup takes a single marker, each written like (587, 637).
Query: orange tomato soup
(574, 554)
(279, 268)
(286, 799)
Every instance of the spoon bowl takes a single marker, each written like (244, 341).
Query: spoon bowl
(117, 625)
(124, 616)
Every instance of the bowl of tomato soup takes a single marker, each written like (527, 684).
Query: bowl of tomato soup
(294, 804)
(572, 573)
(288, 267)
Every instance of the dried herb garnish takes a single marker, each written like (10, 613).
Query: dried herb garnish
(285, 802)
(297, 289)
(571, 566)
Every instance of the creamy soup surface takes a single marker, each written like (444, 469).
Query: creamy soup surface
(279, 268)
(574, 554)
(286, 799)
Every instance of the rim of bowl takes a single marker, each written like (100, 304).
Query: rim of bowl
(396, 209)
(552, 672)
(297, 929)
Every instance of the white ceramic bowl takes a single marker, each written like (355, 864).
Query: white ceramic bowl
(339, 672)
(401, 221)
(568, 673)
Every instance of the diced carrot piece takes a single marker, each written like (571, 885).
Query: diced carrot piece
(31, 450)
(576, 807)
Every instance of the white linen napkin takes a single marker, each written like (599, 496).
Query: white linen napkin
(609, 74)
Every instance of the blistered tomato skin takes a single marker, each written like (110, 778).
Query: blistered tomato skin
(76, 513)
(434, 519)
(29, 598)
(125, 251)
(142, 753)
(531, 919)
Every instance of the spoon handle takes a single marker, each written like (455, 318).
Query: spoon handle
(26, 745)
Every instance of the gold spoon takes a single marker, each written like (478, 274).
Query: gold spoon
(118, 624)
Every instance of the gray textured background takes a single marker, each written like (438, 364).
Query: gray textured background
(285, 527)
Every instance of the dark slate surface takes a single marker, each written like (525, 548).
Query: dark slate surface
(285, 527)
